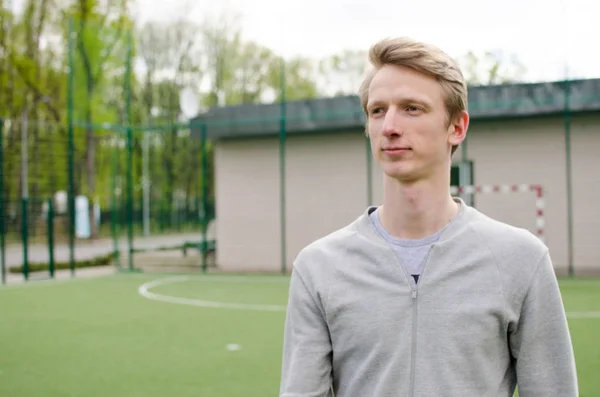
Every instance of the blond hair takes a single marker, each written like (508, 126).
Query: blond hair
(424, 58)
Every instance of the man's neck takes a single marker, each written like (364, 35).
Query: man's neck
(416, 210)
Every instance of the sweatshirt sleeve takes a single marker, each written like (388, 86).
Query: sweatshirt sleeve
(541, 341)
(306, 366)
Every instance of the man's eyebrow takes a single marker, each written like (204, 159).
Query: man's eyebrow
(371, 104)
(402, 100)
(414, 99)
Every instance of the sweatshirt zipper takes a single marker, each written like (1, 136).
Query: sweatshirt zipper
(413, 354)
(414, 338)
(414, 296)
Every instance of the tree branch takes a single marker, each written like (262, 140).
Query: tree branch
(81, 44)
(32, 86)
(119, 30)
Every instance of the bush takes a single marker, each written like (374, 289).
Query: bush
(103, 260)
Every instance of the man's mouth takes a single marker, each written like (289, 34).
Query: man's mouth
(396, 150)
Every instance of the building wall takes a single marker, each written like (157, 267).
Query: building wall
(326, 182)
(586, 193)
(326, 188)
(247, 206)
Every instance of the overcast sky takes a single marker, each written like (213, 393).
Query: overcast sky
(545, 34)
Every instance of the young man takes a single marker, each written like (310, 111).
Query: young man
(423, 296)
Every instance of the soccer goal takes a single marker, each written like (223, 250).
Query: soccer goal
(536, 190)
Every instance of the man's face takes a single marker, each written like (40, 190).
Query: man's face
(408, 126)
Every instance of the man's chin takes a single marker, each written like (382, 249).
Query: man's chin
(403, 174)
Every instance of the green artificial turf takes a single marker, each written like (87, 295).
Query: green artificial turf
(100, 337)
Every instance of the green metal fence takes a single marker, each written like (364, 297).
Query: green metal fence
(2, 207)
(32, 155)
(139, 198)
(107, 183)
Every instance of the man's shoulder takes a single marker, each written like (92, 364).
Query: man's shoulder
(510, 244)
(498, 232)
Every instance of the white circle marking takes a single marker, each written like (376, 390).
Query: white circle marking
(144, 290)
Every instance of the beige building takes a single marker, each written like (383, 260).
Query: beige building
(517, 141)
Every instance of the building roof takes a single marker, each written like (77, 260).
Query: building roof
(345, 113)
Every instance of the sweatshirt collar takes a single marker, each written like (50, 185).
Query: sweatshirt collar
(365, 227)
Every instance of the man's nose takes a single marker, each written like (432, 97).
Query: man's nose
(391, 123)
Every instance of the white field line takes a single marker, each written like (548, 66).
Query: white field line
(81, 275)
(580, 315)
(144, 290)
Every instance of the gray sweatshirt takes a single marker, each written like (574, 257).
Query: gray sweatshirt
(485, 315)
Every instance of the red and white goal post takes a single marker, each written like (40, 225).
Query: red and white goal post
(536, 189)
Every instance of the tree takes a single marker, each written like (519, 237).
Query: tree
(99, 33)
(342, 73)
(299, 77)
(249, 80)
(221, 40)
(491, 68)
(29, 70)
(173, 60)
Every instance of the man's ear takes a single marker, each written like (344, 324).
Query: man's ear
(457, 130)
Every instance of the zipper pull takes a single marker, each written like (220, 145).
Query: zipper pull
(414, 293)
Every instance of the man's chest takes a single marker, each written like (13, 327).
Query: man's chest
(384, 308)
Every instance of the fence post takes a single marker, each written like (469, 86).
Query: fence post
(129, 200)
(204, 219)
(282, 162)
(113, 201)
(129, 203)
(24, 238)
(2, 211)
(50, 238)
(569, 174)
(71, 147)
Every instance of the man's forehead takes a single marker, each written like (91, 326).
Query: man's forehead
(387, 86)
(390, 93)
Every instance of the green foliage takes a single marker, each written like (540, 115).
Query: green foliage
(490, 68)
(100, 52)
(103, 260)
